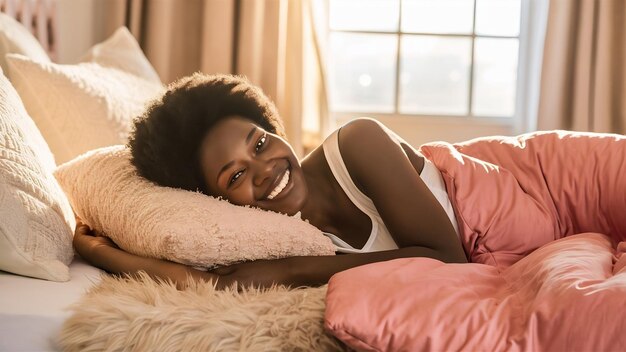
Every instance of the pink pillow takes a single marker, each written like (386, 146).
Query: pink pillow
(564, 296)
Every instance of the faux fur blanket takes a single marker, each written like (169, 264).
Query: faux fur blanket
(122, 314)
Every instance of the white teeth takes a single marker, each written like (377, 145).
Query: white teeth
(281, 185)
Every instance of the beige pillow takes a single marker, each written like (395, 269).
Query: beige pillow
(16, 39)
(186, 227)
(89, 105)
(122, 51)
(36, 221)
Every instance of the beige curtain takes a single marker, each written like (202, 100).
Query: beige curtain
(271, 42)
(583, 84)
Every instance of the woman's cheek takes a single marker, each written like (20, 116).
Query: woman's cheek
(242, 196)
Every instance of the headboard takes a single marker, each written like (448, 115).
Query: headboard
(36, 15)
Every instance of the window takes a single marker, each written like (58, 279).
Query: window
(425, 58)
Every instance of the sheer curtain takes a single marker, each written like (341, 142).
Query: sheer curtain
(583, 85)
(271, 42)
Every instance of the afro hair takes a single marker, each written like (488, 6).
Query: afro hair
(166, 139)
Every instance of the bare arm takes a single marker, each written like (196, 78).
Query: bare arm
(383, 171)
(315, 271)
(101, 252)
(296, 271)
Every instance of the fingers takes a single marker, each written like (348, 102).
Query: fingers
(83, 230)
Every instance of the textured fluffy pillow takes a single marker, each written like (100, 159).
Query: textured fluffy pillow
(191, 228)
(36, 221)
(89, 105)
(128, 314)
(16, 39)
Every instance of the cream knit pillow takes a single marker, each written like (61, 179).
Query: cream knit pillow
(36, 221)
(186, 227)
(89, 105)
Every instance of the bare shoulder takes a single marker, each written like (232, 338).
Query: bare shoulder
(364, 136)
(359, 129)
(367, 147)
(360, 137)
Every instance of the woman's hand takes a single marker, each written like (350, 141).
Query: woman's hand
(87, 241)
(259, 273)
(101, 252)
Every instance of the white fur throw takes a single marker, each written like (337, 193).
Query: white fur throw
(186, 227)
(144, 315)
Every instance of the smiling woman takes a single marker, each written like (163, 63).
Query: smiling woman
(243, 163)
(220, 135)
(373, 194)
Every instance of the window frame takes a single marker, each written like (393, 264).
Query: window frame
(530, 41)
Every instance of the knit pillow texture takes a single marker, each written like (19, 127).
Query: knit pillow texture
(36, 221)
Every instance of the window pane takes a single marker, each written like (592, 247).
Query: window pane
(437, 16)
(362, 72)
(495, 75)
(434, 75)
(369, 15)
(498, 17)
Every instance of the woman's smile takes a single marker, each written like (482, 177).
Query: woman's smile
(249, 166)
(280, 182)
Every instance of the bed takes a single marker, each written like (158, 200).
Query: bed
(92, 104)
(406, 304)
(32, 311)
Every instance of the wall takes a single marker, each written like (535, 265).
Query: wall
(80, 25)
(419, 130)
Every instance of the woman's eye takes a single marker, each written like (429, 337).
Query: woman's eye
(260, 143)
(235, 177)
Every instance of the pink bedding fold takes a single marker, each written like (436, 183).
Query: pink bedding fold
(569, 295)
(521, 203)
(512, 195)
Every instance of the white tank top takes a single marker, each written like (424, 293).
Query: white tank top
(380, 239)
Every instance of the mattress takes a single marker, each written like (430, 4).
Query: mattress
(32, 311)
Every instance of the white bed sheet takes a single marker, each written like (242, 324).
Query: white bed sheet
(32, 311)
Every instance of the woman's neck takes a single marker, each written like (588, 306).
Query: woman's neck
(318, 207)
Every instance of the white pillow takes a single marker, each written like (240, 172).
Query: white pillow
(122, 51)
(85, 106)
(36, 221)
(15, 38)
(186, 227)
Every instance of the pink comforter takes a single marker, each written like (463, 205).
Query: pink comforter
(569, 295)
(511, 195)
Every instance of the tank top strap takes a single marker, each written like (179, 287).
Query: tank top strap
(360, 200)
(340, 171)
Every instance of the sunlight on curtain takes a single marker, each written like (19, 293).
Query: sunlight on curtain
(584, 79)
(273, 43)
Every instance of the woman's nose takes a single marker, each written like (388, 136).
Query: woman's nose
(263, 170)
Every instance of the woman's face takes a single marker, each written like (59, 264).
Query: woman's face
(246, 165)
